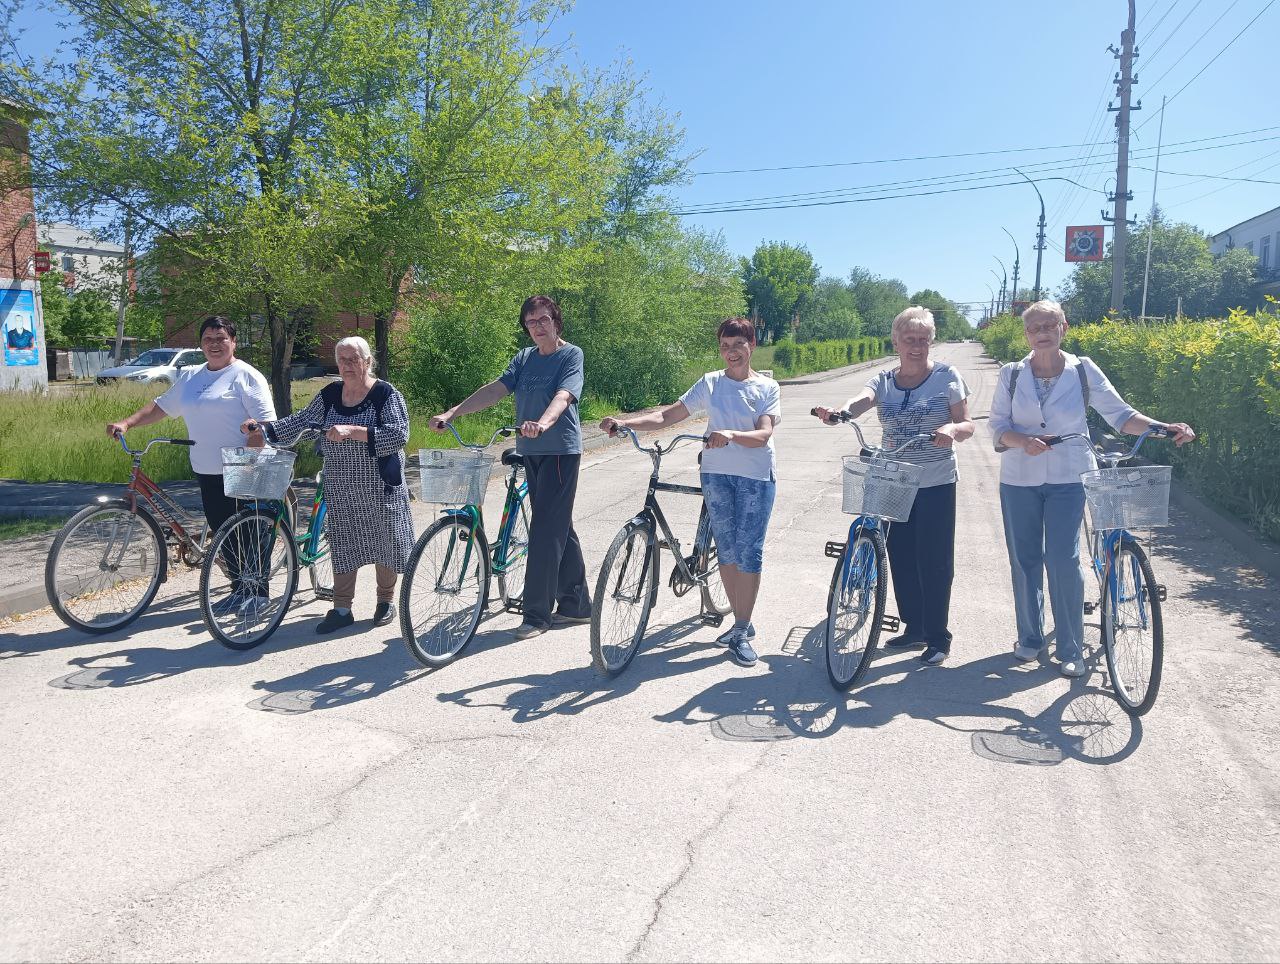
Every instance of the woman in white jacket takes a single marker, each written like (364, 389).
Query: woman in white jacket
(1048, 393)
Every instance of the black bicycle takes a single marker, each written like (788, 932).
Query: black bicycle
(628, 583)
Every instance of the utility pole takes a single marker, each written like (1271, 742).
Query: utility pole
(1124, 87)
(1039, 237)
(1017, 260)
(124, 293)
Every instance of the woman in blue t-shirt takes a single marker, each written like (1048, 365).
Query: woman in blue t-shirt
(547, 382)
(738, 483)
(921, 396)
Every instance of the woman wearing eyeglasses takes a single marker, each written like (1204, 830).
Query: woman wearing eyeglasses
(547, 382)
(921, 396)
(1049, 393)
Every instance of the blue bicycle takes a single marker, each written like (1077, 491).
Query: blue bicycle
(877, 491)
(1132, 623)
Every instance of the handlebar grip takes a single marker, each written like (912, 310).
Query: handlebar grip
(182, 441)
(1052, 440)
(1160, 431)
(506, 432)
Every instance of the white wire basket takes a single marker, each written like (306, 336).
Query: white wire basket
(880, 487)
(453, 476)
(1128, 497)
(249, 473)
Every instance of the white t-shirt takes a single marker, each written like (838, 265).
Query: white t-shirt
(736, 406)
(214, 404)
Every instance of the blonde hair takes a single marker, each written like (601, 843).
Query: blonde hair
(360, 345)
(916, 316)
(1045, 307)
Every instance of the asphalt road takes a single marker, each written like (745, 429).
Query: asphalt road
(166, 799)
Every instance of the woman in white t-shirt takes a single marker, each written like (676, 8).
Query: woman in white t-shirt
(738, 483)
(917, 397)
(213, 399)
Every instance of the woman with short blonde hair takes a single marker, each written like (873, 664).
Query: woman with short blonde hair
(921, 396)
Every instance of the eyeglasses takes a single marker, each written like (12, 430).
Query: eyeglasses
(542, 322)
(1042, 329)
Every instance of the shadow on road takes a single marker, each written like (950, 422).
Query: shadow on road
(572, 691)
(181, 610)
(795, 700)
(339, 684)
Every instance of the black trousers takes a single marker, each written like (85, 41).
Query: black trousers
(218, 507)
(922, 557)
(554, 571)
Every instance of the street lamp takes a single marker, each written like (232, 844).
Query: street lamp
(991, 310)
(1004, 283)
(1039, 236)
(1017, 260)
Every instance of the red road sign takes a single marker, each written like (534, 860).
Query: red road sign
(42, 262)
(1084, 242)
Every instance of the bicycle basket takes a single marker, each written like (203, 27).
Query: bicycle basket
(264, 473)
(1129, 497)
(879, 487)
(449, 477)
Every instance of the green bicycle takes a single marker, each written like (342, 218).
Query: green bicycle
(445, 590)
(250, 571)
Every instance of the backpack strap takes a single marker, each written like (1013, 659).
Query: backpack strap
(331, 395)
(1013, 378)
(1084, 380)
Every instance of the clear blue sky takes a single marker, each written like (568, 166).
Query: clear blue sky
(766, 84)
(769, 84)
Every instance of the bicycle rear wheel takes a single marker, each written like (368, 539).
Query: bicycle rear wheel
(248, 578)
(321, 568)
(625, 591)
(855, 608)
(516, 554)
(444, 590)
(105, 567)
(714, 598)
(1133, 628)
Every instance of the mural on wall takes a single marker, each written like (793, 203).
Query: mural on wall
(18, 326)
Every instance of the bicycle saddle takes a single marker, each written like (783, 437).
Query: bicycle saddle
(512, 457)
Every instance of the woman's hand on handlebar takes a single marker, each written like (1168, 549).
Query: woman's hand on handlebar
(1181, 433)
(945, 436)
(116, 430)
(440, 423)
(719, 439)
(610, 426)
(828, 416)
(253, 432)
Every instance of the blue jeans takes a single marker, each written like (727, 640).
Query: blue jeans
(1042, 532)
(739, 510)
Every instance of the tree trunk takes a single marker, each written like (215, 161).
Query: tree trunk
(382, 332)
(281, 332)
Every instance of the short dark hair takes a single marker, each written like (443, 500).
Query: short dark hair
(538, 302)
(217, 321)
(737, 328)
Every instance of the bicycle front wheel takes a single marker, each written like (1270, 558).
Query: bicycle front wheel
(515, 555)
(855, 608)
(625, 591)
(1133, 628)
(248, 578)
(321, 568)
(444, 590)
(105, 567)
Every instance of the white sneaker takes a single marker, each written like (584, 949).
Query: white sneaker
(1073, 668)
(1026, 653)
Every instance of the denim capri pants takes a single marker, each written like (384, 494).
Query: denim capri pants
(739, 509)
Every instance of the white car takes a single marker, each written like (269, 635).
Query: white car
(160, 365)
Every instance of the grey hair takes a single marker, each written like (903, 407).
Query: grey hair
(1050, 309)
(360, 345)
(915, 317)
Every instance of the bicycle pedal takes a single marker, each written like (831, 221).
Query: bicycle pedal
(1089, 608)
(515, 606)
(711, 619)
(890, 624)
(833, 550)
(1161, 592)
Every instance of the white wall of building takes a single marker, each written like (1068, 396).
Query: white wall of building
(1260, 235)
(95, 264)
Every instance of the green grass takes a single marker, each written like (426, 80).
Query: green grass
(18, 528)
(62, 437)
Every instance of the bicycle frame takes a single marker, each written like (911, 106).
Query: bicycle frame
(309, 543)
(158, 503)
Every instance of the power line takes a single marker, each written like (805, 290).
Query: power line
(1172, 97)
(1194, 44)
(1156, 25)
(1216, 190)
(1156, 53)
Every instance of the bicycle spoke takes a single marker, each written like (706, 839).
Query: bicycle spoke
(444, 593)
(104, 568)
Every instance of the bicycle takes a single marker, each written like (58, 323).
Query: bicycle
(445, 589)
(628, 580)
(106, 564)
(1128, 595)
(250, 572)
(877, 492)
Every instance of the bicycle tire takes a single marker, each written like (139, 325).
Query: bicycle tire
(154, 562)
(511, 581)
(1135, 678)
(434, 639)
(714, 598)
(855, 618)
(631, 591)
(321, 569)
(243, 618)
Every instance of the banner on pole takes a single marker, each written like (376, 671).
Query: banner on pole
(1084, 242)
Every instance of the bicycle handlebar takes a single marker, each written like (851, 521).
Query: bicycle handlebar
(656, 448)
(1156, 430)
(847, 419)
(506, 431)
(155, 441)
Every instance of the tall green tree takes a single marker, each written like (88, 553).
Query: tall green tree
(779, 280)
(878, 300)
(832, 312)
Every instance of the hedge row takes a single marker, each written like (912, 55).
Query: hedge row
(1220, 375)
(801, 358)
